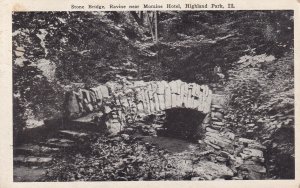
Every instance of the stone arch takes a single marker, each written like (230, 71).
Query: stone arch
(123, 103)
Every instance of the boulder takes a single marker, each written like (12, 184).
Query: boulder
(254, 167)
(208, 129)
(229, 135)
(246, 140)
(216, 106)
(86, 94)
(72, 105)
(104, 91)
(212, 145)
(257, 146)
(217, 140)
(221, 159)
(253, 152)
(207, 119)
(218, 123)
(196, 178)
(125, 136)
(217, 115)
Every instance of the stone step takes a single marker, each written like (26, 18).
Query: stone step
(217, 127)
(32, 160)
(26, 149)
(33, 149)
(218, 123)
(86, 123)
(212, 145)
(74, 135)
(217, 106)
(209, 129)
(59, 143)
(23, 173)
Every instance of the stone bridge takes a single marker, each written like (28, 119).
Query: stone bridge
(124, 103)
(116, 105)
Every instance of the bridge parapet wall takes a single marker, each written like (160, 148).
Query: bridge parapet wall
(124, 102)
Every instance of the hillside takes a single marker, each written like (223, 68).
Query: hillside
(57, 52)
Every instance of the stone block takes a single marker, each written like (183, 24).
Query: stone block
(140, 107)
(257, 146)
(254, 167)
(218, 123)
(246, 140)
(173, 86)
(189, 98)
(184, 91)
(200, 102)
(151, 99)
(212, 145)
(86, 95)
(161, 99)
(104, 91)
(195, 94)
(217, 115)
(72, 105)
(168, 97)
(113, 128)
(217, 141)
(208, 129)
(208, 102)
(253, 152)
(161, 88)
(73, 134)
(229, 135)
(207, 119)
(107, 109)
(146, 102)
(226, 155)
(206, 106)
(219, 99)
(94, 90)
(173, 100)
(124, 101)
(178, 93)
(218, 127)
(90, 107)
(93, 96)
(221, 159)
(182, 94)
(215, 106)
(156, 102)
(154, 87)
(218, 136)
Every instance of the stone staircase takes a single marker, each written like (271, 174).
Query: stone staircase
(32, 159)
(245, 157)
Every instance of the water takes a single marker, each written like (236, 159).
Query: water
(173, 145)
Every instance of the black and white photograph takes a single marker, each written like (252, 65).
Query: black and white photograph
(161, 95)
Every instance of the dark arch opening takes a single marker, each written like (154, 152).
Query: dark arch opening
(184, 123)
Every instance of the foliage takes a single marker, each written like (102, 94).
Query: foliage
(54, 50)
(81, 47)
(114, 159)
(262, 108)
(19, 120)
(246, 96)
(94, 47)
(193, 43)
